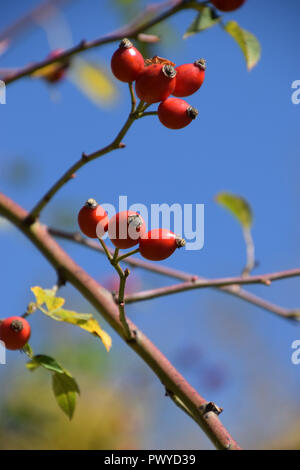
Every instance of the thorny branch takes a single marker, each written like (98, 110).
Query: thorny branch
(100, 298)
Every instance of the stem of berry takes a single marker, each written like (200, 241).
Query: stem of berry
(115, 256)
(133, 98)
(149, 113)
(123, 275)
(103, 244)
(121, 302)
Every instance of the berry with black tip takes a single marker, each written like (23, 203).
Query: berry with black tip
(127, 62)
(155, 83)
(14, 332)
(189, 78)
(125, 228)
(159, 244)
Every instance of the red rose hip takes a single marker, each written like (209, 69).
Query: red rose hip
(127, 62)
(227, 5)
(159, 244)
(125, 229)
(92, 219)
(155, 83)
(14, 332)
(59, 68)
(175, 113)
(189, 78)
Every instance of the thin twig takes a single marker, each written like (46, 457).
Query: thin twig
(130, 253)
(103, 303)
(149, 113)
(123, 277)
(84, 160)
(105, 249)
(265, 279)
(121, 303)
(132, 97)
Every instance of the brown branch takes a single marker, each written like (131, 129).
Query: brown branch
(235, 291)
(131, 31)
(101, 299)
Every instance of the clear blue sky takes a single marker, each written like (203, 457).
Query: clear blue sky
(245, 140)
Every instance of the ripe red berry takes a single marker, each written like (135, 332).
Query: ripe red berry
(189, 78)
(58, 71)
(14, 332)
(158, 244)
(92, 219)
(175, 113)
(155, 83)
(127, 62)
(227, 5)
(125, 229)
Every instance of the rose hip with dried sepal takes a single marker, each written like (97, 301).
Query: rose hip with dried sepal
(189, 78)
(14, 332)
(155, 83)
(175, 113)
(159, 244)
(92, 219)
(125, 228)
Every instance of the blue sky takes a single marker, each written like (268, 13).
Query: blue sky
(244, 140)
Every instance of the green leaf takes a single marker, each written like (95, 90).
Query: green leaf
(247, 41)
(205, 19)
(47, 362)
(63, 384)
(85, 321)
(65, 389)
(238, 206)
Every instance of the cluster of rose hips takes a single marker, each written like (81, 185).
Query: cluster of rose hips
(14, 332)
(156, 79)
(227, 5)
(127, 229)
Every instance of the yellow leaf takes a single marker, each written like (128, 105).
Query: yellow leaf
(47, 296)
(86, 321)
(92, 80)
